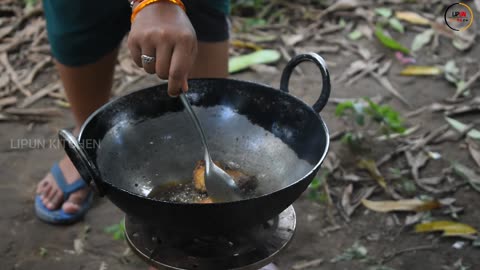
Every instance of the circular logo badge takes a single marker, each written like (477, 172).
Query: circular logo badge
(459, 16)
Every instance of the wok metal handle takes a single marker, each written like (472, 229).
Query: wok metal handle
(321, 64)
(87, 169)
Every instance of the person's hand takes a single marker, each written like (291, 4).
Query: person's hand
(163, 30)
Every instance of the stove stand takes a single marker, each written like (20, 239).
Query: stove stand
(248, 250)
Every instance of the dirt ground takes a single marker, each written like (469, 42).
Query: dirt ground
(28, 243)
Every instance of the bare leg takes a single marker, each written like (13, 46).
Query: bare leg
(87, 88)
(212, 60)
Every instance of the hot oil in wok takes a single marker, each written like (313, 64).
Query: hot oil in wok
(177, 192)
(195, 191)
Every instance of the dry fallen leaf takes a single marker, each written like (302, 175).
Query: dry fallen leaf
(422, 39)
(78, 245)
(461, 127)
(354, 68)
(411, 17)
(406, 133)
(371, 167)
(340, 5)
(416, 162)
(464, 40)
(470, 175)
(434, 180)
(351, 202)
(474, 150)
(244, 44)
(449, 228)
(415, 218)
(415, 205)
(421, 71)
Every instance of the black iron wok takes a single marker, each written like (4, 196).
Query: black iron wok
(145, 139)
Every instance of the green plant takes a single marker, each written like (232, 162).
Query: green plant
(316, 191)
(117, 230)
(30, 3)
(362, 114)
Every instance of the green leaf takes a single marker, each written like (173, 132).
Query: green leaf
(408, 186)
(396, 24)
(388, 41)
(355, 35)
(356, 252)
(460, 84)
(252, 22)
(476, 243)
(43, 252)
(387, 116)
(342, 107)
(460, 127)
(384, 12)
(116, 230)
(422, 39)
(316, 193)
(451, 68)
(242, 62)
(360, 119)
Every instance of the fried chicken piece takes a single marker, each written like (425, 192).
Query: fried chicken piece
(206, 200)
(199, 176)
(243, 181)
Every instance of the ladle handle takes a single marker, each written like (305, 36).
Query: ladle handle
(198, 126)
(87, 169)
(321, 64)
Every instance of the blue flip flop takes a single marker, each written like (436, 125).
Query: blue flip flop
(59, 216)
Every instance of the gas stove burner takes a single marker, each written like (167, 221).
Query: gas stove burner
(247, 250)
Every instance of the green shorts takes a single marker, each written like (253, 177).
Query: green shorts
(80, 32)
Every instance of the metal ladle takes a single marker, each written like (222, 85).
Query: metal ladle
(220, 186)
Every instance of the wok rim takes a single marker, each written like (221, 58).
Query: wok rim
(206, 205)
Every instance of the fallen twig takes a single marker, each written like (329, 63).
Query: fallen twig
(18, 23)
(34, 111)
(7, 101)
(337, 135)
(309, 264)
(370, 68)
(13, 75)
(400, 252)
(287, 57)
(39, 94)
(329, 203)
(467, 85)
(390, 155)
(29, 79)
(430, 137)
(387, 85)
(7, 47)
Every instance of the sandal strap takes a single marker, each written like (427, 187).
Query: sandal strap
(66, 188)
